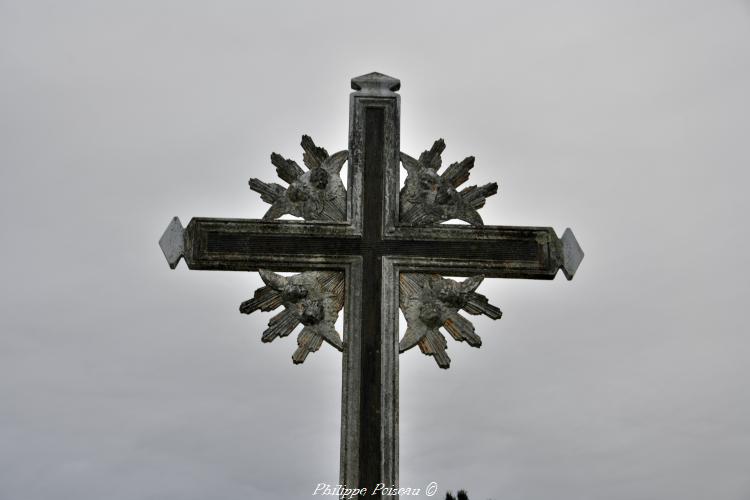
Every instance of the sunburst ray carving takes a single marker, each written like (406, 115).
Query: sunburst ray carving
(317, 194)
(311, 298)
(430, 302)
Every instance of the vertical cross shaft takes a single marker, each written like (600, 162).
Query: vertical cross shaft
(369, 441)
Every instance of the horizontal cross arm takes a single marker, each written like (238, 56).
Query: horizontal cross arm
(495, 251)
(249, 244)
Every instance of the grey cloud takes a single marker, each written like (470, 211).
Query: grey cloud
(628, 122)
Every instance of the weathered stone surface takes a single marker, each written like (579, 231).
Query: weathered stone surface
(172, 242)
(352, 247)
(312, 298)
(315, 195)
(572, 253)
(430, 302)
(376, 84)
(430, 198)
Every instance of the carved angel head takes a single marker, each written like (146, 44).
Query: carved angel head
(430, 302)
(429, 197)
(312, 298)
(315, 194)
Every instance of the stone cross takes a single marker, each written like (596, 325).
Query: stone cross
(370, 249)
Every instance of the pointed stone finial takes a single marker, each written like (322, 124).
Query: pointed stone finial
(376, 84)
(172, 242)
(572, 254)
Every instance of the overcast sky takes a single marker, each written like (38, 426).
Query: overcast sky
(627, 121)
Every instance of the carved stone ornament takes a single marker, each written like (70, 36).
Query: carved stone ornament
(353, 247)
(312, 298)
(430, 302)
(430, 198)
(315, 195)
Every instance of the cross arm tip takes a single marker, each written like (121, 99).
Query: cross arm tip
(172, 242)
(572, 254)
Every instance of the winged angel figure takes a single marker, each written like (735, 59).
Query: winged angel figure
(317, 194)
(311, 298)
(430, 302)
(429, 198)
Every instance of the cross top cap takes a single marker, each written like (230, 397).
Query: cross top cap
(376, 83)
